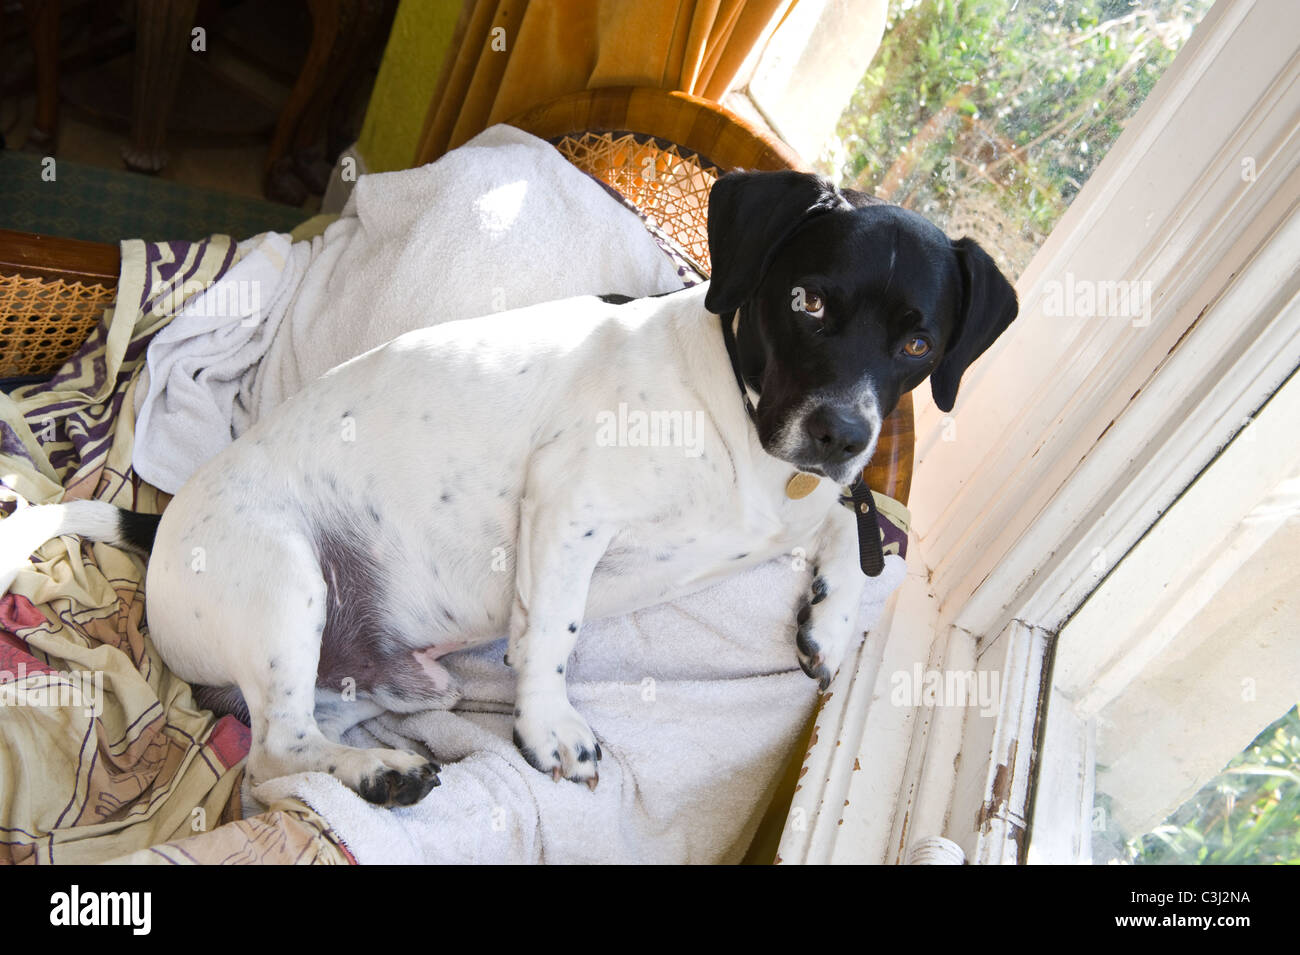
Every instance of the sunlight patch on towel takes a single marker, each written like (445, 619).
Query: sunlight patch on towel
(498, 208)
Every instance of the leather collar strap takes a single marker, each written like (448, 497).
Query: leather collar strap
(733, 353)
(871, 556)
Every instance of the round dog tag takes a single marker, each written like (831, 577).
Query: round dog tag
(801, 485)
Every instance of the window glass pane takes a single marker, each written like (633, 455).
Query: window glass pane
(1193, 763)
(1247, 815)
(988, 116)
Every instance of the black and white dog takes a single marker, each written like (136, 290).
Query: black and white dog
(454, 486)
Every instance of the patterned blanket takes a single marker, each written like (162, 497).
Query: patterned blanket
(104, 754)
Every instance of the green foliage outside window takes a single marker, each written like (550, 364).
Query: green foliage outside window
(988, 116)
(1248, 814)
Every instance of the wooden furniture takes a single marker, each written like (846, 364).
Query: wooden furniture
(162, 42)
(344, 36)
(52, 294)
(43, 25)
(660, 149)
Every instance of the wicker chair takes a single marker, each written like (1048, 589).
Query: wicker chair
(662, 150)
(53, 293)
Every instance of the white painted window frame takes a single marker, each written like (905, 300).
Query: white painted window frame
(1137, 621)
(796, 82)
(1072, 436)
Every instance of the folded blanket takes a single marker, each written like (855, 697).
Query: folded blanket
(502, 222)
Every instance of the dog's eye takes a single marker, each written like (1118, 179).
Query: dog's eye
(813, 304)
(916, 347)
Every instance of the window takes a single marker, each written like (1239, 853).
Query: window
(1078, 446)
(1247, 815)
(1184, 665)
(986, 116)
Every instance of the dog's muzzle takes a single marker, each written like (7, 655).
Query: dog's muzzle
(837, 436)
(837, 441)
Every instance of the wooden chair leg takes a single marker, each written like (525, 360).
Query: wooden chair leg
(43, 25)
(162, 42)
(280, 182)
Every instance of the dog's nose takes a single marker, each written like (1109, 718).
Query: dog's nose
(837, 436)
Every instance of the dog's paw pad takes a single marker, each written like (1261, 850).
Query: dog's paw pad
(556, 741)
(395, 787)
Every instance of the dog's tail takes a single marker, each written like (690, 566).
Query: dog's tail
(30, 527)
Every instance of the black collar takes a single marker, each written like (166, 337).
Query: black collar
(871, 556)
(733, 353)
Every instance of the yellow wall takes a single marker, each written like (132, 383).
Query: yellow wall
(417, 48)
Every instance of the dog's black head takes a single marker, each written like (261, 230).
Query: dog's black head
(846, 302)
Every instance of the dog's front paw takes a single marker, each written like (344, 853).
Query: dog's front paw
(556, 740)
(822, 636)
(812, 659)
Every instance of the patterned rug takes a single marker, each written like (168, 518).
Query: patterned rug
(104, 205)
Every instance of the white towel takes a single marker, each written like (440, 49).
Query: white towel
(196, 387)
(697, 705)
(502, 222)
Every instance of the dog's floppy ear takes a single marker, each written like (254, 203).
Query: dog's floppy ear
(750, 215)
(988, 307)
